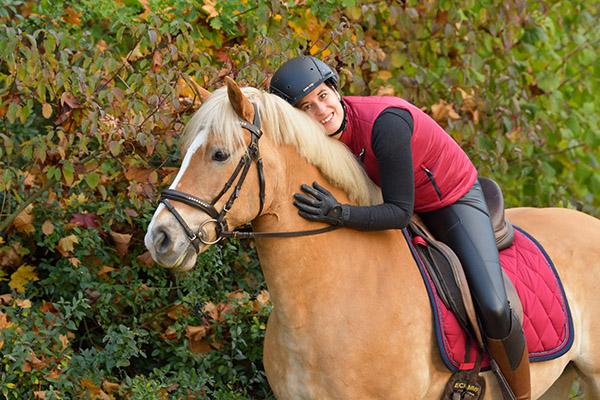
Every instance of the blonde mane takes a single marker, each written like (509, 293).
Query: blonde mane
(285, 125)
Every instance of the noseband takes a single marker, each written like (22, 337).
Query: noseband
(218, 218)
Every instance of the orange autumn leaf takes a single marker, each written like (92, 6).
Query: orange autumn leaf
(71, 16)
(23, 275)
(121, 241)
(54, 374)
(195, 335)
(95, 392)
(74, 261)
(64, 340)
(212, 311)
(263, 298)
(140, 174)
(11, 258)
(443, 111)
(176, 311)
(33, 362)
(156, 61)
(23, 303)
(4, 324)
(24, 221)
(101, 45)
(46, 110)
(49, 307)
(146, 259)
(66, 245)
(385, 91)
(310, 26)
(110, 387)
(106, 269)
(47, 227)
(210, 7)
(5, 300)
(169, 334)
(470, 106)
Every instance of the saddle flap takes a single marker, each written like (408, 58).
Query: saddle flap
(446, 271)
(449, 278)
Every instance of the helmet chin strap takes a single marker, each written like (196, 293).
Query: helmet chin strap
(344, 124)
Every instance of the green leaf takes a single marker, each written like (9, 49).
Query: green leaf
(68, 172)
(92, 179)
(533, 35)
(13, 112)
(595, 184)
(548, 81)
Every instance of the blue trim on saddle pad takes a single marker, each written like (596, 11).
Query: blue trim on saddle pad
(436, 303)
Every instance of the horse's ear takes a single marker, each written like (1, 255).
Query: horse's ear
(203, 93)
(199, 91)
(240, 103)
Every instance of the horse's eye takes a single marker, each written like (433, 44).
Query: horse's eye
(220, 155)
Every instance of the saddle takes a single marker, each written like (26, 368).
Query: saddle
(448, 276)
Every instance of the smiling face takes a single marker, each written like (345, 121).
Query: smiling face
(324, 106)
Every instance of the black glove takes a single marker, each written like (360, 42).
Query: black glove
(321, 207)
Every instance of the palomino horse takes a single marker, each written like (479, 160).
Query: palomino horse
(351, 318)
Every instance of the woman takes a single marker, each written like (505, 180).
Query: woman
(419, 168)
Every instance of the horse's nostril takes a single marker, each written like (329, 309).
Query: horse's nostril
(162, 241)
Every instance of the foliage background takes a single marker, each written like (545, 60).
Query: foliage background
(94, 93)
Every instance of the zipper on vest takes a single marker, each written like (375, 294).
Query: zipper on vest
(432, 179)
(361, 156)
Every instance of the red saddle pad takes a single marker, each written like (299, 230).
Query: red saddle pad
(547, 320)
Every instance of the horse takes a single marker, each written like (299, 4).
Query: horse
(351, 318)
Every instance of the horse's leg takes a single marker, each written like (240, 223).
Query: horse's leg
(562, 386)
(592, 384)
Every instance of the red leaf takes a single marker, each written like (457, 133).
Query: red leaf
(86, 220)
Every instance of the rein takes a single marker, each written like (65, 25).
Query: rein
(252, 154)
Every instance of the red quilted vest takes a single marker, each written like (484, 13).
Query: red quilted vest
(443, 172)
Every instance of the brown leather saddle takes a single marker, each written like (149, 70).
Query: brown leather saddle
(446, 271)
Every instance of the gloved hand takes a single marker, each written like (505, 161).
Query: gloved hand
(321, 207)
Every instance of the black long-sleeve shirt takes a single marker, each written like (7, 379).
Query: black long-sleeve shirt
(391, 144)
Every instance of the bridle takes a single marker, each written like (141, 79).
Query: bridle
(251, 154)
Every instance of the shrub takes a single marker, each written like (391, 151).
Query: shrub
(93, 95)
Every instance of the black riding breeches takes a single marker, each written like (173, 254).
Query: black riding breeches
(466, 227)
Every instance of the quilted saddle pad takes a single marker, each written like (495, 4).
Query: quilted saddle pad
(547, 320)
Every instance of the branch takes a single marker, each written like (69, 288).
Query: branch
(24, 205)
(579, 72)
(552, 153)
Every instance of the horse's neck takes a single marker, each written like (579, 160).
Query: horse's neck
(308, 272)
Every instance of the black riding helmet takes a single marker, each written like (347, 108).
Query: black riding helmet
(299, 76)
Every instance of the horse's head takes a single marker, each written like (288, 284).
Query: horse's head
(221, 168)
(223, 184)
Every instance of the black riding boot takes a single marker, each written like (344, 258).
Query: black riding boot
(513, 359)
